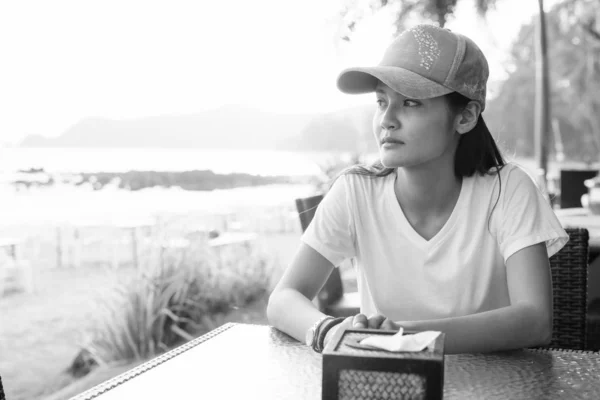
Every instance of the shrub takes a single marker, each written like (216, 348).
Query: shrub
(174, 299)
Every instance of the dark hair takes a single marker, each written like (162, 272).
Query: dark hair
(476, 152)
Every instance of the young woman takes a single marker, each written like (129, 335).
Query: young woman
(444, 234)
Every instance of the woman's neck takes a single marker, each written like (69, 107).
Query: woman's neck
(427, 189)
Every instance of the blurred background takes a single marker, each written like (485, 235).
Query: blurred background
(151, 153)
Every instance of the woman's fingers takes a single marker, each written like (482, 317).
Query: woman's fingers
(347, 323)
(389, 325)
(378, 321)
(375, 321)
(360, 321)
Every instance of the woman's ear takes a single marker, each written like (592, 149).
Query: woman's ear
(467, 119)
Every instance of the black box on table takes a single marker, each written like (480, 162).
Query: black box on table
(352, 373)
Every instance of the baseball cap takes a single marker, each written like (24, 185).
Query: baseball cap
(424, 62)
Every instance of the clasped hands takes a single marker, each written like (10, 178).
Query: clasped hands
(360, 321)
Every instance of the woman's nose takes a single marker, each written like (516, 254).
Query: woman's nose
(389, 120)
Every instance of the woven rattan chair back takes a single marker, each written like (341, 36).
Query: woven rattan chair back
(333, 289)
(569, 287)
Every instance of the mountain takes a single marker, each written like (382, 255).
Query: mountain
(227, 127)
(346, 130)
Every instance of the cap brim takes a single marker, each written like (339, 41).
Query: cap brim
(403, 81)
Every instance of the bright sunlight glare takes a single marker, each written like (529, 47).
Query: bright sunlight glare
(65, 60)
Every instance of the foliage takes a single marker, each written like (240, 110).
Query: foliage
(575, 81)
(438, 11)
(576, 57)
(175, 299)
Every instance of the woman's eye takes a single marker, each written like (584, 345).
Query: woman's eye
(380, 103)
(411, 103)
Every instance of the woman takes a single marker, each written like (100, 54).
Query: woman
(444, 234)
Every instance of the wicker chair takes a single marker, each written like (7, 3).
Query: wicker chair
(1, 390)
(332, 299)
(569, 286)
(593, 325)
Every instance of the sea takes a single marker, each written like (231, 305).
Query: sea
(256, 162)
(67, 203)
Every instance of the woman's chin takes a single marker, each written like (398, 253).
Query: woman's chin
(391, 162)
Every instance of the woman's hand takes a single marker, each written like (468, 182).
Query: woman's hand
(360, 321)
(377, 321)
(347, 323)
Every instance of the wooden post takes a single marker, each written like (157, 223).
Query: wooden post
(134, 247)
(115, 251)
(77, 247)
(542, 96)
(59, 248)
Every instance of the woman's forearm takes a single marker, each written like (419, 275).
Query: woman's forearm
(291, 312)
(512, 327)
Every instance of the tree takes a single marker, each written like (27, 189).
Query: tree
(575, 82)
(578, 67)
(438, 10)
(510, 114)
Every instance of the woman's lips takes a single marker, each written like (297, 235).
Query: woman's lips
(388, 144)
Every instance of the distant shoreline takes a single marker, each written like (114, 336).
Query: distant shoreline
(195, 180)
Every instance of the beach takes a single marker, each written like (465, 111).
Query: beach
(43, 331)
(70, 238)
(76, 240)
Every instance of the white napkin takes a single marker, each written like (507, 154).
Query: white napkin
(401, 342)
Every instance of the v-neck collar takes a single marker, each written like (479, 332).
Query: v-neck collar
(408, 229)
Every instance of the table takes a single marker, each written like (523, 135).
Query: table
(19, 269)
(242, 361)
(12, 244)
(233, 238)
(132, 227)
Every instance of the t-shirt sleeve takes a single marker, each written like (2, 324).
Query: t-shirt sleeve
(526, 217)
(331, 231)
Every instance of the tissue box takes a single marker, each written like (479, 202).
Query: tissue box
(352, 373)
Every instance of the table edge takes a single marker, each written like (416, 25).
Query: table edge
(140, 369)
(146, 366)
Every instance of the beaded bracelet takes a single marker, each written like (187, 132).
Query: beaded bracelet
(323, 329)
(315, 328)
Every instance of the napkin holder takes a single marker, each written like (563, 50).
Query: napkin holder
(354, 373)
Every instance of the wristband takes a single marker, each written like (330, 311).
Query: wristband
(313, 331)
(323, 329)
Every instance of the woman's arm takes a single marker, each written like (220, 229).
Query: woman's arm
(290, 307)
(526, 322)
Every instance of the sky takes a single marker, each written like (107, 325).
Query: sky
(65, 60)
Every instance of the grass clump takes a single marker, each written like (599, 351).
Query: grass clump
(172, 300)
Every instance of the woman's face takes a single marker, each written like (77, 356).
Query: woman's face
(412, 132)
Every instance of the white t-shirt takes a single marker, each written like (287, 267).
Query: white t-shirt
(460, 271)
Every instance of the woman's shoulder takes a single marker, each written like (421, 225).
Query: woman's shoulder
(518, 177)
(360, 179)
(511, 171)
(355, 188)
(508, 178)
